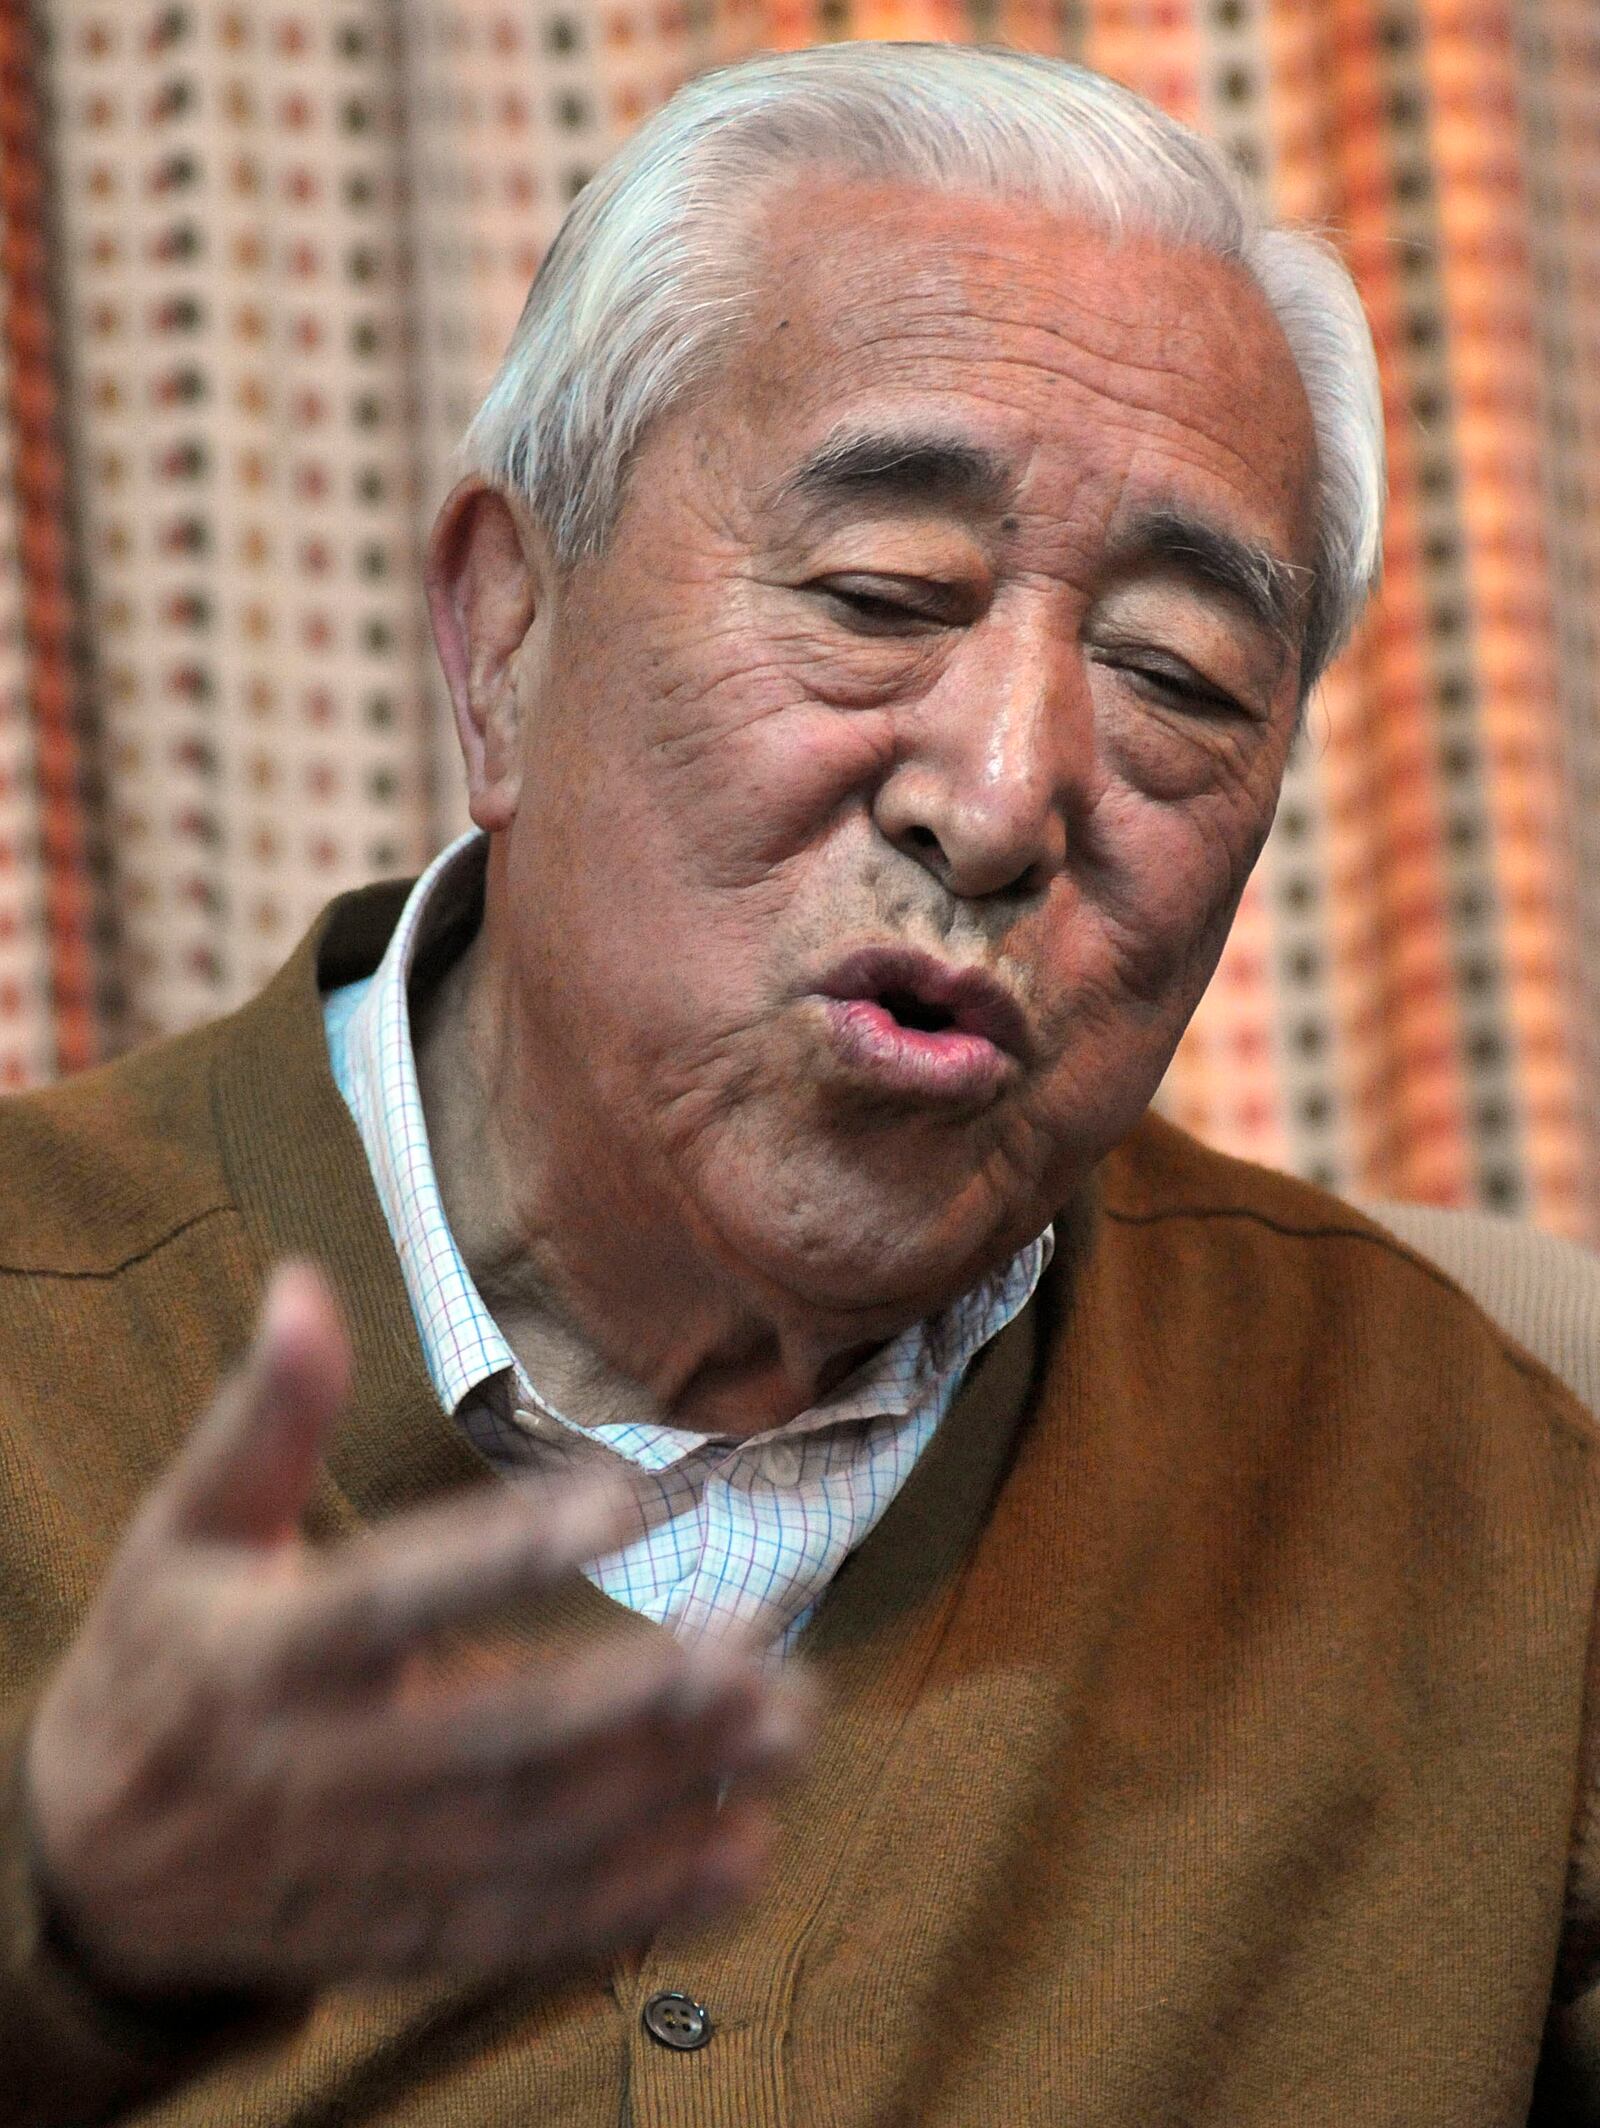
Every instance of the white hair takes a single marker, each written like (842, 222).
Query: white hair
(647, 284)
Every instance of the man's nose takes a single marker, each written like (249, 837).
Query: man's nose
(994, 766)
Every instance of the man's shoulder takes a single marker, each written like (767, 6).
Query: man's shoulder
(105, 1167)
(1262, 1259)
(1161, 1172)
(1162, 1177)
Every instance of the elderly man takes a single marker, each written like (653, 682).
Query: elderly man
(899, 545)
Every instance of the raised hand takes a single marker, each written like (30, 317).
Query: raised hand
(265, 1766)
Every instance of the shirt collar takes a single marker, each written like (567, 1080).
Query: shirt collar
(461, 1341)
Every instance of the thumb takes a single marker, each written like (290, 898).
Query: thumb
(246, 1474)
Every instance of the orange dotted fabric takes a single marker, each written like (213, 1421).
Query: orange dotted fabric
(27, 1050)
(231, 208)
(272, 254)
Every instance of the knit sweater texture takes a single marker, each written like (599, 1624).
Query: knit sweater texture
(1208, 1733)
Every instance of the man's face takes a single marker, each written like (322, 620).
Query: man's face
(888, 787)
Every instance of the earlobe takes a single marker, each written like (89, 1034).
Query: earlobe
(486, 583)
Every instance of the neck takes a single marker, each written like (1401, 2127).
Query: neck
(610, 1299)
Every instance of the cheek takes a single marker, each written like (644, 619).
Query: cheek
(1137, 927)
(1185, 761)
(1184, 820)
(726, 788)
(772, 792)
(680, 862)
(1198, 866)
(710, 734)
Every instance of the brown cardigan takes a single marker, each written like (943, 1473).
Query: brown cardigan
(1206, 1732)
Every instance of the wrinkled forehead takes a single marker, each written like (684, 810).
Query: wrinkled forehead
(1077, 357)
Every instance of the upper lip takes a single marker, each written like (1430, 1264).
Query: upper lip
(975, 1001)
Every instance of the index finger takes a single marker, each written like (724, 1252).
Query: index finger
(447, 1566)
(245, 1473)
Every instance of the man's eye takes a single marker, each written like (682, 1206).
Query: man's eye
(875, 612)
(1180, 687)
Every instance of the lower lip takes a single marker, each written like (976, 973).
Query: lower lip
(951, 1065)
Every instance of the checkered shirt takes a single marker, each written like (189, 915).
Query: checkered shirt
(746, 1532)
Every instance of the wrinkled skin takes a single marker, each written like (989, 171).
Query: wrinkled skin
(709, 774)
(763, 729)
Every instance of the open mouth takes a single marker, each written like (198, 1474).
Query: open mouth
(931, 997)
(922, 1026)
(909, 1010)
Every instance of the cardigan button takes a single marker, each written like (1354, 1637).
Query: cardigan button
(676, 2020)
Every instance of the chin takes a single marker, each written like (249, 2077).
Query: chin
(897, 1235)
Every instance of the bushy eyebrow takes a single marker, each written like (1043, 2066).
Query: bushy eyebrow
(1269, 588)
(926, 466)
(906, 466)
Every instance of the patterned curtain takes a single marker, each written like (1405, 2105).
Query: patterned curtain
(260, 259)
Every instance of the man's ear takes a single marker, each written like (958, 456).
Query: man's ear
(488, 576)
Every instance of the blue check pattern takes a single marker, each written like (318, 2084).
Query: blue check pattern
(731, 1533)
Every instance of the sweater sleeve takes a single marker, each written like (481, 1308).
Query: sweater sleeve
(70, 2053)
